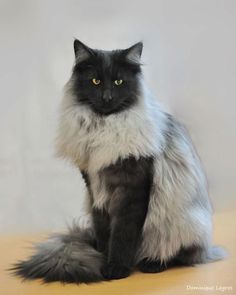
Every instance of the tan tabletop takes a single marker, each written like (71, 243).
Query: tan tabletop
(176, 281)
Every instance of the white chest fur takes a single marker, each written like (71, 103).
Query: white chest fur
(94, 142)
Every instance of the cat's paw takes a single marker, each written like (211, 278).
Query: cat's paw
(147, 266)
(115, 272)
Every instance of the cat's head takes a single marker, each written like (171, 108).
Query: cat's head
(106, 81)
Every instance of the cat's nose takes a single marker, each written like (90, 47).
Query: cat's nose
(107, 95)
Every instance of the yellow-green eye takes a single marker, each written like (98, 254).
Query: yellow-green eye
(96, 81)
(118, 82)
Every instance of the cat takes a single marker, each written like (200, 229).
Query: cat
(147, 194)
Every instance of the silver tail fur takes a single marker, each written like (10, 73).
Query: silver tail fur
(69, 257)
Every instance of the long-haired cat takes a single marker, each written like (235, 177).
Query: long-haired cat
(146, 190)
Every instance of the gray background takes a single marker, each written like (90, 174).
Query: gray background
(189, 56)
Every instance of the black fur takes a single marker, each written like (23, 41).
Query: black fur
(101, 222)
(118, 227)
(148, 266)
(189, 256)
(85, 178)
(107, 66)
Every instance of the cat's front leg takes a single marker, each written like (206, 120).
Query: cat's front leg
(101, 224)
(132, 182)
(126, 227)
(100, 219)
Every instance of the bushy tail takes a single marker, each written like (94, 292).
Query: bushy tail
(216, 253)
(69, 257)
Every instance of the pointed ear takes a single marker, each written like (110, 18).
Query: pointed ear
(82, 52)
(134, 52)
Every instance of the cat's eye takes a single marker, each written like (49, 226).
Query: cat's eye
(118, 82)
(96, 81)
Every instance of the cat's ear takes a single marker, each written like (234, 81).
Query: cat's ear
(134, 52)
(82, 52)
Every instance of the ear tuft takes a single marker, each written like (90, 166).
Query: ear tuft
(82, 52)
(134, 52)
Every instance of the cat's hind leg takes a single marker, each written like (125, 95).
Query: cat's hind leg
(188, 256)
(196, 254)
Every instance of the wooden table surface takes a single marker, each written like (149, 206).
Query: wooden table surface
(176, 281)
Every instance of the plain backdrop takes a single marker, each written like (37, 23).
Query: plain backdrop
(189, 63)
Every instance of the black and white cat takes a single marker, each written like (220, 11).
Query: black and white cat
(146, 190)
